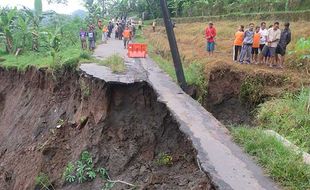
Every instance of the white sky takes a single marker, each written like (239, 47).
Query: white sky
(59, 8)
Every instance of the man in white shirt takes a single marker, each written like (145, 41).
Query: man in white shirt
(273, 39)
(263, 39)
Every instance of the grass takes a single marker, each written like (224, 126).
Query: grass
(42, 180)
(289, 116)
(194, 72)
(282, 164)
(191, 43)
(115, 62)
(70, 56)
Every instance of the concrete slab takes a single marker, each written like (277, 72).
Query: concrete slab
(218, 155)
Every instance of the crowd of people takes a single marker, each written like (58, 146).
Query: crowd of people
(256, 44)
(122, 29)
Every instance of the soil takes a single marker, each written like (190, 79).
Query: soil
(122, 126)
(223, 97)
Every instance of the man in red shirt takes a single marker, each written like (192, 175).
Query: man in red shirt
(210, 36)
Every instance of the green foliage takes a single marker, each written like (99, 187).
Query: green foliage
(38, 7)
(82, 172)
(164, 159)
(189, 8)
(115, 62)
(68, 174)
(251, 91)
(108, 186)
(85, 55)
(300, 55)
(103, 173)
(289, 116)
(56, 37)
(42, 180)
(195, 75)
(284, 165)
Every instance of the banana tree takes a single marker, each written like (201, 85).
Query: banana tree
(22, 33)
(7, 18)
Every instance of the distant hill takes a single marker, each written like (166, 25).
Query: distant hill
(79, 13)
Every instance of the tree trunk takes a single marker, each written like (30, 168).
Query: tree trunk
(9, 44)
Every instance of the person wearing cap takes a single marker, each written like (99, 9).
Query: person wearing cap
(210, 37)
(285, 39)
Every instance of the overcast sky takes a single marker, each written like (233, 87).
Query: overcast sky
(59, 8)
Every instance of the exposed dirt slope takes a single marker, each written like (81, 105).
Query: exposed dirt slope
(126, 130)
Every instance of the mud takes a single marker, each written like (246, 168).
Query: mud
(122, 126)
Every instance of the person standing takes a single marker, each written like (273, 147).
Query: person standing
(154, 25)
(110, 29)
(104, 34)
(285, 39)
(140, 24)
(83, 36)
(127, 36)
(263, 40)
(116, 28)
(91, 38)
(210, 36)
(273, 38)
(120, 31)
(238, 42)
(255, 46)
(247, 45)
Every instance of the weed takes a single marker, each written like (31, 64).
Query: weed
(108, 186)
(115, 62)
(284, 165)
(164, 159)
(85, 55)
(68, 173)
(84, 89)
(289, 117)
(43, 181)
(60, 122)
(103, 173)
(84, 170)
(251, 91)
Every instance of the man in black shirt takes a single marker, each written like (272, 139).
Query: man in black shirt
(285, 39)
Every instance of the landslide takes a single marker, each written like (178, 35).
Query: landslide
(122, 126)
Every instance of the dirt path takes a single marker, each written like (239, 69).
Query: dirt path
(218, 156)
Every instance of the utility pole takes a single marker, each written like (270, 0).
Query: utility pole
(173, 45)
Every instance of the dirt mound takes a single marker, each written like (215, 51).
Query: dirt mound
(122, 126)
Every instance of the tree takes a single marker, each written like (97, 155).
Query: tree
(7, 18)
